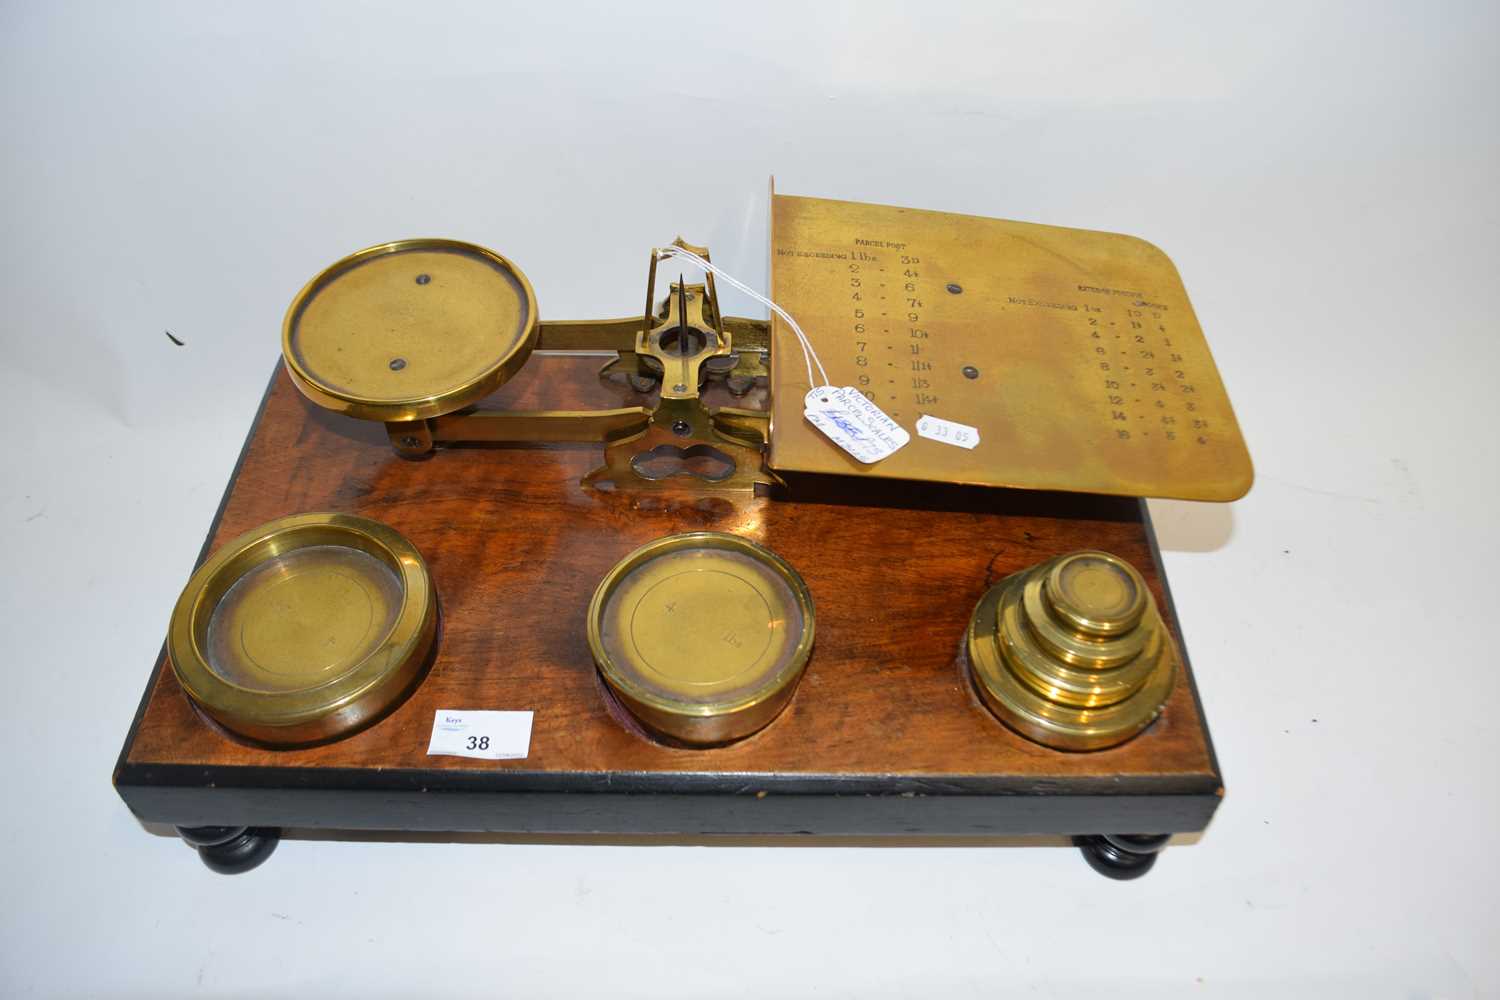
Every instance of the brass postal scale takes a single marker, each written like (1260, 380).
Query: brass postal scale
(879, 565)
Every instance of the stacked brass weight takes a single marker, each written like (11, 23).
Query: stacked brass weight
(1072, 653)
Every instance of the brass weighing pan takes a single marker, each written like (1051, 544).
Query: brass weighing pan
(702, 636)
(410, 330)
(305, 629)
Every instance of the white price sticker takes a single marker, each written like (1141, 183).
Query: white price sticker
(948, 431)
(486, 735)
(850, 420)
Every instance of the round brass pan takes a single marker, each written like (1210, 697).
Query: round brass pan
(305, 629)
(702, 636)
(410, 330)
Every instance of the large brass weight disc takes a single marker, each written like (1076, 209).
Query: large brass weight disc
(702, 636)
(304, 629)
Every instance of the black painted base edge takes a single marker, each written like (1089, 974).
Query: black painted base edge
(662, 813)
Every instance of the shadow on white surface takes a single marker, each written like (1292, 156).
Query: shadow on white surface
(660, 840)
(1189, 526)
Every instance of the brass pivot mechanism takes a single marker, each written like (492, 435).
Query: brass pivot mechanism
(417, 332)
(681, 346)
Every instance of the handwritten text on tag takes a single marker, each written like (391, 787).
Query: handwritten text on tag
(854, 423)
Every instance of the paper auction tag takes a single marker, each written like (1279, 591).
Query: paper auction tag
(486, 735)
(947, 431)
(850, 420)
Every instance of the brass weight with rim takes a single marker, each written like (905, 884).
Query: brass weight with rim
(305, 629)
(1072, 653)
(702, 636)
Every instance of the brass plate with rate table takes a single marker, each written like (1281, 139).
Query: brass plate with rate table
(1075, 354)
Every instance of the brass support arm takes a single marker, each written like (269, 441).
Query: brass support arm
(619, 334)
(750, 426)
(541, 425)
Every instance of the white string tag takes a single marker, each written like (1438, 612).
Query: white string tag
(850, 420)
(846, 416)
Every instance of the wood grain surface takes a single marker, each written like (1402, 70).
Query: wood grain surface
(516, 547)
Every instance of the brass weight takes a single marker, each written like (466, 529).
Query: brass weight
(305, 629)
(702, 636)
(1072, 653)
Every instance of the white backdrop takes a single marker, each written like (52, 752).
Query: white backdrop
(1324, 177)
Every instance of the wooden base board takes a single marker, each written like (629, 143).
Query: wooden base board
(884, 736)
